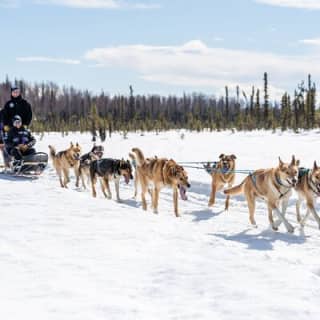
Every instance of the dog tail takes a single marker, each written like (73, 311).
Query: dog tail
(139, 156)
(235, 190)
(52, 152)
(132, 156)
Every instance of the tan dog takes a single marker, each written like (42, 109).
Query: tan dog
(63, 161)
(221, 175)
(160, 172)
(274, 186)
(308, 189)
(134, 164)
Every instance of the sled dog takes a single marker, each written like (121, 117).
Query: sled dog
(223, 174)
(96, 153)
(134, 165)
(160, 173)
(274, 186)
(308, 189)
(107, 170)
(63, 161)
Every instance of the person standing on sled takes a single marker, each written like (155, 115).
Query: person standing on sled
(16, 106)
(19, 141)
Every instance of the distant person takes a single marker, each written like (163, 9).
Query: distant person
(16, 106)
(19, 141)
(2, 142)
(1, 132)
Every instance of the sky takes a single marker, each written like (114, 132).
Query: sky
(161, 46)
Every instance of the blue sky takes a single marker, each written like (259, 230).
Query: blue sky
(161, 46)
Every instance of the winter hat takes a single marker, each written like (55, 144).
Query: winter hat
(16, 118)
(14, 88)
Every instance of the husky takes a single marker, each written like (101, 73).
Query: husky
(63, 161)
(308, 189)
(107, 170)
(222, 174)
(160, 172)
(274, 186)
(96, 153)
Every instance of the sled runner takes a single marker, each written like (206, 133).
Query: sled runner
(30, 166)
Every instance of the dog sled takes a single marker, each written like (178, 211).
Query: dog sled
(30, 166)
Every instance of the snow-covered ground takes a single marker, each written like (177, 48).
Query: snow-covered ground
(65, 255)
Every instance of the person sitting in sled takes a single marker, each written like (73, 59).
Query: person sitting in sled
(19, 141)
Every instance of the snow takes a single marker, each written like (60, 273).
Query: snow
(66, 255)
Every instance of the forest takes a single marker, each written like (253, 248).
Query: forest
(65, 109)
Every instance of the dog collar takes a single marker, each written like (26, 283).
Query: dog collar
(280, 182)
(283, 185)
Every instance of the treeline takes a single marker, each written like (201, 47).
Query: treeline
(68, 109)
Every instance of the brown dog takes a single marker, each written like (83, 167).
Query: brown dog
(308, 188)
(274, 186)
(160, 172)
(221, 175)
(134, 165)
(63, 161)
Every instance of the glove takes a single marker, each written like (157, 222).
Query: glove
(6, 128)
(23, 147)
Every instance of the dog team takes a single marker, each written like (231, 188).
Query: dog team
(274, 185)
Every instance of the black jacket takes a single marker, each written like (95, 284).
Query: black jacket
(17, 106)
(19, 136)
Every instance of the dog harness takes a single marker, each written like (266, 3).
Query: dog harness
(281, 184)
(254, 181)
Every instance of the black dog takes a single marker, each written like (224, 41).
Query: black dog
(107, 170)
(96, 153)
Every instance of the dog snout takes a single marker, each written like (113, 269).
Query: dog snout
(188, 185)
(294, 181)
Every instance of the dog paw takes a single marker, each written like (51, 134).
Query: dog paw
(155, 211)
(290, 228)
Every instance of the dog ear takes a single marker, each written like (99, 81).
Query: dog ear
(71, 144)
(233, 157)
(221, 156)
(315, 166)
(294, 162)
(77, 144)
(281, 163)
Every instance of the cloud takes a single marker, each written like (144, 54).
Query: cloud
(9, 3)
(314, 41)
(196, 65)
(48, 60)
(98, 4)
(300, 4)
